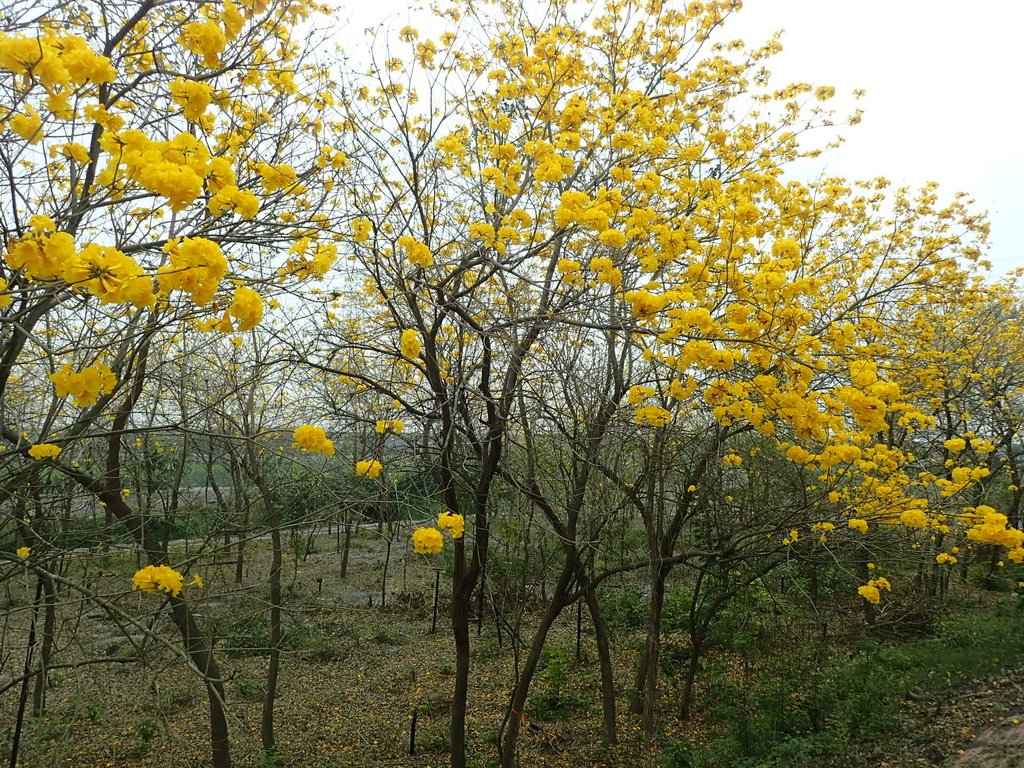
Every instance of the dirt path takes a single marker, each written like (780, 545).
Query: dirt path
(991, 719)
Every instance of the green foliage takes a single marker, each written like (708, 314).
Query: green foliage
(809, 714)
(146, 729)
(553, 700)
(623, 608)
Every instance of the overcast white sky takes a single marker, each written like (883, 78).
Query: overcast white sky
(944, 96)
(943, 79)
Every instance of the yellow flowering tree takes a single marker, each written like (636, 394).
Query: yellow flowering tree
(617, 183)
(170, 172)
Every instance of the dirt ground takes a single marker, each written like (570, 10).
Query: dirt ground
(353, 674)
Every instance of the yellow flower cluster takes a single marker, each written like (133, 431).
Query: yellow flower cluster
(652, 415)
(417, 253)
(312, 439)
(309, 259)
(246, 308)
(275, 177)
(370, 468)
(231, 198)
(453, 523)
(28, 125)
(390, 425)
(945, 558)
(192, 96)
(955, 445)
(732, 460)
(24, 552)
(205, 39)
(196, 267)
(430, 541)
(54, 60)
(173, 169)
(646, 304)
(638, 393)
(158, 578)
(858, 524)
(5, 295)
(991, 527)
(109, 275)
(86, 385)
(44, 451)
(43, 251)
(427, 541)
(872, 590)
(410, 344)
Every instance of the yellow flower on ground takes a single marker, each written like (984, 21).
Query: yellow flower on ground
(370, 468)
(197, 581)
(24, 552)
(455, 524)
(427, 541)
(44, 451)
(158, 578)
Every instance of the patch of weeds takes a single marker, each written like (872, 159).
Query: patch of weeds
(145, 730)
(384, 634)
(249, 686)
(676, 754)
(87, 708)
(434, 738)
(553, 701)
(273, 760)
(485, 650)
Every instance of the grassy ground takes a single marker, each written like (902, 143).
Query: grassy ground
(354, 673)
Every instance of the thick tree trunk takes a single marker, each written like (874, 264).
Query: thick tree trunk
(686, 707)
(653, 652)
(460, 631)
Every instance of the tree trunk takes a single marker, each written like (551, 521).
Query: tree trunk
(605, 660)
(460, 630)
(644, 696)
(201, 654)
(267, 718)
(653, 652)
(46, 644)
(516, 712)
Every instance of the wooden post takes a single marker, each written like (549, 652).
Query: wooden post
(412, 734)
(579, 627)
(437, 593)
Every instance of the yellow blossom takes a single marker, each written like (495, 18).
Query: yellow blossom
(44, 451)
(312, 439)
(370, 468)
(427, 541)
(455, 524)
(158, 578)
